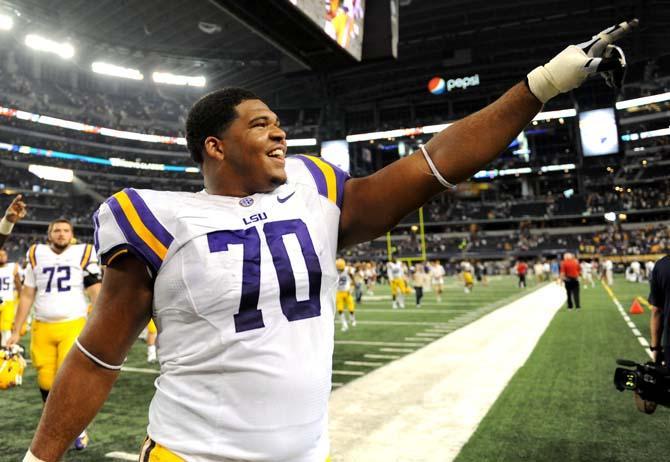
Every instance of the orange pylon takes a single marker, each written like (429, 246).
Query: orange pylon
(636, 308)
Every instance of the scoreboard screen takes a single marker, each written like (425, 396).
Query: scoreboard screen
(598, 132)
(341, 20)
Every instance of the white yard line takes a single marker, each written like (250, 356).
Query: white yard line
(430, 402)
(118, 455)
(640, 338)
(383, 344)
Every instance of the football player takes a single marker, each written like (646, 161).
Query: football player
(59, 278)
(15, 212)
(343, 296)
(10, 284)
(437, 279)
(468, 278)
(396, 276)
(241, 276)
(152, 335)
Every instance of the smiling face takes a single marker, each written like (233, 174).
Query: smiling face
(251, 151)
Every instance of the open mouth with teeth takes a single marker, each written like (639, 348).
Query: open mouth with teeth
(277, 153)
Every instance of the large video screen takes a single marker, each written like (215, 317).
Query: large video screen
(598, 132)
(337, 153)
(342, 20)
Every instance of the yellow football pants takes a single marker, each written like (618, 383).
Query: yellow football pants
(344, 299)
(154, 452)
(398, 286)
(467, 278)
(7, 313)
(50, 343)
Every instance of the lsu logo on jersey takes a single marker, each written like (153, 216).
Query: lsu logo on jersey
(255, 218)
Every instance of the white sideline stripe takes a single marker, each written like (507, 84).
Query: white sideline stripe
(363, 363)
(375, 418)
(141, 370)
(398, 323)
(384, 344)
(416, 339)
(336, 384)
(641, 340)
(364, 309)
(397, 350)
(374, 356)
(122, 455)
(357, 373)
(428, 334)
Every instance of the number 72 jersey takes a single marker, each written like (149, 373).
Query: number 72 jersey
(243, 300)
(59, 280)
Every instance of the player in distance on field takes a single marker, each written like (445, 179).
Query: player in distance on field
(240, 277)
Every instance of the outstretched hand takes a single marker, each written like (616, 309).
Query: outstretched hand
(572, 66)
(16, 210)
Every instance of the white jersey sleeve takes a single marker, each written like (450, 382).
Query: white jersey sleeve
(133, 221)
(29, 273)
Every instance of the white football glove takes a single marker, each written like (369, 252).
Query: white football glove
(572, 66)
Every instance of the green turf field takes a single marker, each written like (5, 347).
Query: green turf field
(562, 405)
(523, 425)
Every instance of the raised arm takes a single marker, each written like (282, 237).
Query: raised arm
(83, 384)
(374, 204)
(15, 211)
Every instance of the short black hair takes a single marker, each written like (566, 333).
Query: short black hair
(211, 115)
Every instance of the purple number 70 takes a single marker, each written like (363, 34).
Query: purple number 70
(249, 316)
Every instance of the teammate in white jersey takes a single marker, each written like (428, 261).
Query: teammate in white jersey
(60, 280)
(396, 276)
(240, 277)
(587, 274)
(343, 298)
(10, 284)
(437, 274)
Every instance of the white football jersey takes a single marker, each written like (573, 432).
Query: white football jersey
(59, 279)
(437, 273)
(344, 280)
(7, 286)
(394, 270)
(244, 294)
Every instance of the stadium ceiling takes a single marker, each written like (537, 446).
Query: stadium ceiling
(499, 40)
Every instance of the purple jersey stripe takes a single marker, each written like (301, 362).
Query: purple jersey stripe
(317, 174)
(133, 239)
(96, 223)
(148, 218)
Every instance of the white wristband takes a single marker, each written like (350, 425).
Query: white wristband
(6, 226)
(29, 457)
(433, 169)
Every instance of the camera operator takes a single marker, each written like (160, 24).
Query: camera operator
(659, 298)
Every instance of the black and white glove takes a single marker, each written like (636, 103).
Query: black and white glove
(572, 66)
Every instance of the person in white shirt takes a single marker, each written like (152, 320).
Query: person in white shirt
(61, 280)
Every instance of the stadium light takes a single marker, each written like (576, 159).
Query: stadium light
(116, 71)
(52, 173)
(642, 101)
(37, 42)
(184, 80)
(6, 22)
(560, 114)
(301, 142)
(399, 132)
